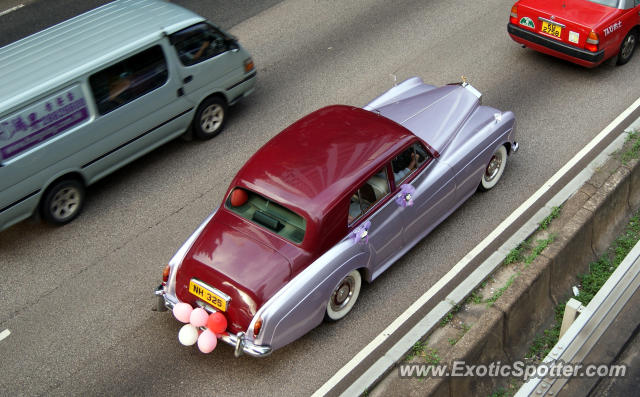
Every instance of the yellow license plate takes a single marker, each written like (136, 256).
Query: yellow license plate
(208, 294)
(551, 28)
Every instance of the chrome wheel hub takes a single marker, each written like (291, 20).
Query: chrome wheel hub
(493, 168)
(342, 295)
(211, 118)
(628, 46)
(65, 203)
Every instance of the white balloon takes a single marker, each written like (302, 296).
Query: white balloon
(188, 335)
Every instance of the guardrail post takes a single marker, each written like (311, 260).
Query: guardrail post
(571, 311)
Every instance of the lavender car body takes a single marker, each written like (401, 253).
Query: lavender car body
(456, 145)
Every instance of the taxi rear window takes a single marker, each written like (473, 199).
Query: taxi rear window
(267, 214)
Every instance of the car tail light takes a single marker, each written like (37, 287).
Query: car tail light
(514, 14)
(248, 65)
(256, 327)
(592, 42)
(165, 274)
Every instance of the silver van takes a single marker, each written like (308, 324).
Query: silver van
(85, 97)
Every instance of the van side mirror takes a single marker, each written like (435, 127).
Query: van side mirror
(232, 44)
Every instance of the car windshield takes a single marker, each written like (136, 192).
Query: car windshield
(267, 214)
(608, 3)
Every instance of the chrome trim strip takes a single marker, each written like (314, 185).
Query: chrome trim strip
(553, 22)
(28, 196)
(136, 138)
(251, 75)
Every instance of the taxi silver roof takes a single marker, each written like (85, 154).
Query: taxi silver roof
(62, 53)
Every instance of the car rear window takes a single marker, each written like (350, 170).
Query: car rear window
(267, 214)
(609, 3)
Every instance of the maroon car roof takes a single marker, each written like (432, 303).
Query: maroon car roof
(323, 156)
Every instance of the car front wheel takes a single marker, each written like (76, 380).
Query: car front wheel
(210, 118)
(344, 296)
(627, 47)
(494, 169)
(63, 202)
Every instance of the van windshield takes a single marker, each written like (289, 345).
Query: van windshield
(267, 214)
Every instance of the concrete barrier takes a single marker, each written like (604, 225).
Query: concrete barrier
(589, 221)
(527, 306)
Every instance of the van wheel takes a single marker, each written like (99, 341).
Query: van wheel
(63, 202)
(210, 118)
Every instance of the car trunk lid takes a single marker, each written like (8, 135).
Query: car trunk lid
(236, 264)
(573, 19)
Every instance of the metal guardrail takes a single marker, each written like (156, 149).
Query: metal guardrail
(591, 324)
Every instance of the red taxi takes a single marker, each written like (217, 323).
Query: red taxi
(586, 32)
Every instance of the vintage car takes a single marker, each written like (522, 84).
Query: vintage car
(334, 199)
(586, 32)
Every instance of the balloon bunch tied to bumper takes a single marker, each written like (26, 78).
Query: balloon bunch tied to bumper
(195, 319)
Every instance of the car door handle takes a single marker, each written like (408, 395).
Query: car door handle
(187, 79)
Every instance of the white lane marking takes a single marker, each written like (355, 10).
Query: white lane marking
(12, 9)
(4, 334)
(398, 322)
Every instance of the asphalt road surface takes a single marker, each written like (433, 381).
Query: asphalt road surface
(77, 299)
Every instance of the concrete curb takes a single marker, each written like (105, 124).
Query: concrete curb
(589, 221)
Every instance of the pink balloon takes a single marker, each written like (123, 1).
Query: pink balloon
(182, 311)
(207, 341)
(198, 317)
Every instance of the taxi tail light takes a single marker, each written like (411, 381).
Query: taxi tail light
(592, 42)
(514, 14)
(257, 326)
(248, 65)
(165, 274)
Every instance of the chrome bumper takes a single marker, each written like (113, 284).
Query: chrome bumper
(244, 346)
(240, 344)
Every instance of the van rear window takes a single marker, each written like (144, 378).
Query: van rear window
(129, 79)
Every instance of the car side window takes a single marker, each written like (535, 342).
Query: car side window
(405, 164)
(198, 43)
(129, 79)
(367, 195)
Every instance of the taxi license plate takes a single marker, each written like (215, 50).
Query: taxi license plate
(208, 294)
(551, 29)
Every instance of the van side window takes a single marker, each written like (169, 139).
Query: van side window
(198, 43)
(129, 79)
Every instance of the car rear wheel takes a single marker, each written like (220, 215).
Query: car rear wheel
(210, 118)
(494, 169)
(344, 296)
(627, 47)
(63, 202)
